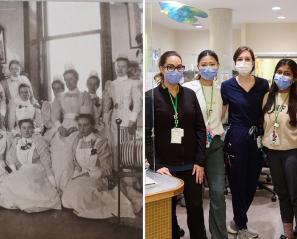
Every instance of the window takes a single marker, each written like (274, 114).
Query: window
(73, 36)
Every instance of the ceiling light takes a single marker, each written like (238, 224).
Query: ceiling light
(197, 25)
(276, 8)
(281, 17)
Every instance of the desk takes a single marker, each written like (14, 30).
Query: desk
(158, 205)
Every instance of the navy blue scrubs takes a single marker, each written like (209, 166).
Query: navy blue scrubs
(244, 158)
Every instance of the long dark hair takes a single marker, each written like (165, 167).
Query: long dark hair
(206, 53)
(159, 78)
(269, 107)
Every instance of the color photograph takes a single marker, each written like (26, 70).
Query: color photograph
(220, 119)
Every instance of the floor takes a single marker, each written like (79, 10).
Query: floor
(64, 224)
(264, 216)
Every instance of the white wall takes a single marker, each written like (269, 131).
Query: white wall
(157, 37)
(119, 32)
(189, 44)
(268, 37)
(12, 21)
(163, 38)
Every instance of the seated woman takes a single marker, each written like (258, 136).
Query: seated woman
(88, 192)
(30, 185)
(22, 106)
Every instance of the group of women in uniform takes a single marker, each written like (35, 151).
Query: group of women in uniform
(57, 155)
(191, 143)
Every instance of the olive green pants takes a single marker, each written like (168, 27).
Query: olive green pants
(215, 175)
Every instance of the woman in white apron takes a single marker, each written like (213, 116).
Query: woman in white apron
(65, 108)
(87, 193)
(23, 107)
(30, 185)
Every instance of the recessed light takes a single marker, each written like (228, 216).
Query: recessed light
(276, 8)
(281, 17)
(197, 25)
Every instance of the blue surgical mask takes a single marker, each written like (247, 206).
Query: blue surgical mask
(173, 77)
(208, 73)
(282, 82)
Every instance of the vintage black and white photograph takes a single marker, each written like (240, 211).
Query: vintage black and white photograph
(71, 119)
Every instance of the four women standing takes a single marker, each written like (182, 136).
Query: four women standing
(170, 123)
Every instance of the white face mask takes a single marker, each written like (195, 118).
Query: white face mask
(244, 68)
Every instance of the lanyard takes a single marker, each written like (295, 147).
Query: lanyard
(278, 109)
(208, 109)
(174, 105)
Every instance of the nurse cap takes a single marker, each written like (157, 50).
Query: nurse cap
(57, 78)
(122, 57)
(69, 66)
(24, 115)
(93, 73)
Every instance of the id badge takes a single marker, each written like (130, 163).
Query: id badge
(209, 137)
(274, 138)
(176, 135)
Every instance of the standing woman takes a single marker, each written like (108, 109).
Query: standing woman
(280, 139)
(210, 101)
(65, 108)
(180, 136)
(243, 95)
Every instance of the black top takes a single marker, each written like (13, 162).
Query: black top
(245, 108)
(193, 146)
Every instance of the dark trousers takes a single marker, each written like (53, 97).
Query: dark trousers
(215, 174)
(283, 168)
(244, 167)
(194, 206)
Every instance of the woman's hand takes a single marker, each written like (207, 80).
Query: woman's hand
(131, 127)
(96, 173)
(199, 171)
(164, 171)
(63, 132)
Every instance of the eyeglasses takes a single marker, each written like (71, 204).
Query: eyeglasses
(171, 68)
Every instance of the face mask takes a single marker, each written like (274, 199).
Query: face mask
(243, 68)
(173, 77)
(282, 82)
(208, 73)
